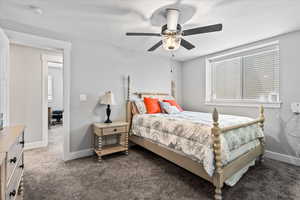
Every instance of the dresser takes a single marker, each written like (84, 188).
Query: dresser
(11, 163)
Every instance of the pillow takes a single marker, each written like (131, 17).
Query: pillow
(140, 105)
(168, 108)
(152, 105)
(172, 110)
(173, 103)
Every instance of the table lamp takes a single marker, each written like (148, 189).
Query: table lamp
(108, 99)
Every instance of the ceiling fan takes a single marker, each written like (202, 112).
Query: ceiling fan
(172, 33)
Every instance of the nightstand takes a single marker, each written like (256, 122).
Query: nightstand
(102, 130)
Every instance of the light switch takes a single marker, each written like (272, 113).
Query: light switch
(295, 106)
(83, 97)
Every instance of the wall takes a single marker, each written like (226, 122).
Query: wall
(57, 81)
(282, 127)
(26, 90)
(97, 68)
(4, 73)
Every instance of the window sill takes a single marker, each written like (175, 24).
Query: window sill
(245, 104)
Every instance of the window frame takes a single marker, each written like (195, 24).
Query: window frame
(209, 77)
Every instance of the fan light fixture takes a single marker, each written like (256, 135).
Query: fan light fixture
(172, 33)
(171, 42)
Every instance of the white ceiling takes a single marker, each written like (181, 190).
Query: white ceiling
(244, 21)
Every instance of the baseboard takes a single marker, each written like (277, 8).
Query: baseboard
(80, 154)
(34, 145)
(283, 158)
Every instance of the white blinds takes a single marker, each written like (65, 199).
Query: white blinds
(247, 75)
(261, 75)
(227, 79)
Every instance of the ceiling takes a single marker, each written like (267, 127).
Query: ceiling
(244, 21)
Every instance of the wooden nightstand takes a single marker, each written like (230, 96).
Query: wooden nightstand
(107, 129)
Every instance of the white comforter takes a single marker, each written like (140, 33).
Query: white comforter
(189, 133)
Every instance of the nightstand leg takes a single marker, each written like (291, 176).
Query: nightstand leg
(99, 148)
(126, 143)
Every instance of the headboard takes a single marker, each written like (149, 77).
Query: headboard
(130, 110)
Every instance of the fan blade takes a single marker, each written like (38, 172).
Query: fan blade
(155, 46)
(143, 34)
(186, 44)
(204, 29)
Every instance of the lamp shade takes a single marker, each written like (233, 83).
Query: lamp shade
(108, 99)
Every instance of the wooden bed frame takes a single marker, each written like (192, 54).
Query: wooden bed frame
(221, 173)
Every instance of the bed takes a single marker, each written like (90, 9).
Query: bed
(218, 148)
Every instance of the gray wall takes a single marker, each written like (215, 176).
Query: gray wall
(57, 87)
(97, 68)
(26, 90)
(4, 73)
(282, 127)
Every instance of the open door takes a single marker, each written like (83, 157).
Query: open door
(4, 74)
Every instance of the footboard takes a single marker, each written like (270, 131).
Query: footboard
(223, 172)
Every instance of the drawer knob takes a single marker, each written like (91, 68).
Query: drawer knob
(115, 129)
(13, 160)
(22, 166)
(12, 193)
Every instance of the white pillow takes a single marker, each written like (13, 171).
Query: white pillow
(172, 110)
(168, 108)
(140, 105)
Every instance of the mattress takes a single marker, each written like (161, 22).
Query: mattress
(189, 133)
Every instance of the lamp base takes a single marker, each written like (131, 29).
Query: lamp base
(108, 111)
(108, 121)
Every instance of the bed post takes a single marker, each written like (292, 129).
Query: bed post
(128, 104)
(218, 174)
(261, 125)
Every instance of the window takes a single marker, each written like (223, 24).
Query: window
(50, 88)
(247, 77)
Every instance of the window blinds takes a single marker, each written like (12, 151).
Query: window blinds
(247, 75)
(227, 79)
(261, 75)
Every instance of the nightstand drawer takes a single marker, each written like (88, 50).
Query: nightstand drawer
(114, 130)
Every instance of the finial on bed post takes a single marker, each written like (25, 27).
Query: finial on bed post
(218, 174)
(215, 116)
(261, 125)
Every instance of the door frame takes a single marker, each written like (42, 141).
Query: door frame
(51, 44)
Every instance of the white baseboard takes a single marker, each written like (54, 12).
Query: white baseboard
(34, 145)
(80, 154)
(283, 158)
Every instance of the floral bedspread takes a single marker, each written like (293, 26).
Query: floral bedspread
(189, 133)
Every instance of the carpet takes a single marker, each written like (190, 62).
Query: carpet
(143, 175)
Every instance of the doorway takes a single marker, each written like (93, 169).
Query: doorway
(64, 48)
(36, 84)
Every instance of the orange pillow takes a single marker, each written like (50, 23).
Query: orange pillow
(152, 105)
(173, 103)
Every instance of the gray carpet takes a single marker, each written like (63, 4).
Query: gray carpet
(143, 176)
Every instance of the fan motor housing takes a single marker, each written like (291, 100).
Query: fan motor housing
(165, 31)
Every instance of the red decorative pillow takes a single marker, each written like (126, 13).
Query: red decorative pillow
(152, 105)
(173, 103)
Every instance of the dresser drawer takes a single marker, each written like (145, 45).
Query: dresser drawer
(114, 130)
(13, 156)
(13, 186)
